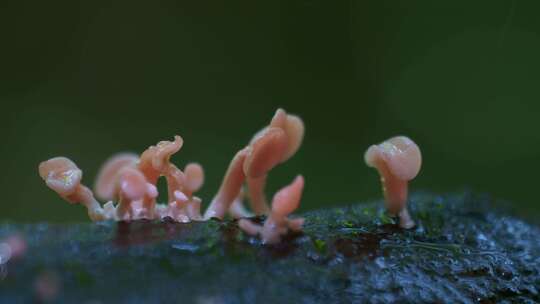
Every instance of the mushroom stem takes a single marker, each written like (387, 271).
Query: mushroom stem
(85, 196)
(257, 197)
(398, 161)
(124, 208)
(149, 205)
(230, 187)
(395, 193)
(194, 208)
(237, 210)
(175, 180)
(395, 190)
(405, 219)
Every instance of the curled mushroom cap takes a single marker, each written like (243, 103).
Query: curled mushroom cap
(154, 160)
(105, 186)
(194, 177)
(294, 128)
(61, 175)
(400, 154)
(287, 199)
(265, 152)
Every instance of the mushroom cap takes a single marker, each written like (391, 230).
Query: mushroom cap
(292, 125)
(106, 181)
(61, 175)
(194, 174)
(294, 128)
(279, 120)
(133, 184)
(164, 150)
(265, 152)
(400, 154)
(287, 199)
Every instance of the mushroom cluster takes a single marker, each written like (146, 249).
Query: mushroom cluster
(131, 180)
(272, 145)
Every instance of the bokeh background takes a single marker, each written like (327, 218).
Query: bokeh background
(86, 79)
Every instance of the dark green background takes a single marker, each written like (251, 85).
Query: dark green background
(85, 79)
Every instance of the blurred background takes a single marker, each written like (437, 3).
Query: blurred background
(86, 79)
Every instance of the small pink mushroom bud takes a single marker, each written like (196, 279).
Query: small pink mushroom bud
(64, 177)
(180, 197)
(398, 161)
(287, 199)
(277, 224)
(107, 178)
(194, 174)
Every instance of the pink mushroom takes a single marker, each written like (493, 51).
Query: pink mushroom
(64, 177)
(398, 161)
(194, 178)
(289, 132)
(194, 174)
(285, 202)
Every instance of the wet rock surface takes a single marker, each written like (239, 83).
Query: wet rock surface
(460, 252)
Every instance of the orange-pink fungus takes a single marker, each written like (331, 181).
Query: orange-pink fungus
(131, 181)
(398, 161)
(278, 224)
(64, 177)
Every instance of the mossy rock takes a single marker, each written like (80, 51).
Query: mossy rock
(460, 252)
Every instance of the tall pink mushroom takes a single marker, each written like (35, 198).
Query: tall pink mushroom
(263, 153)
(398, 161)
(292, 136)
(64, 177)
(271, 146)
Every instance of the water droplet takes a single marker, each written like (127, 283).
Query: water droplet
(185, 247)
